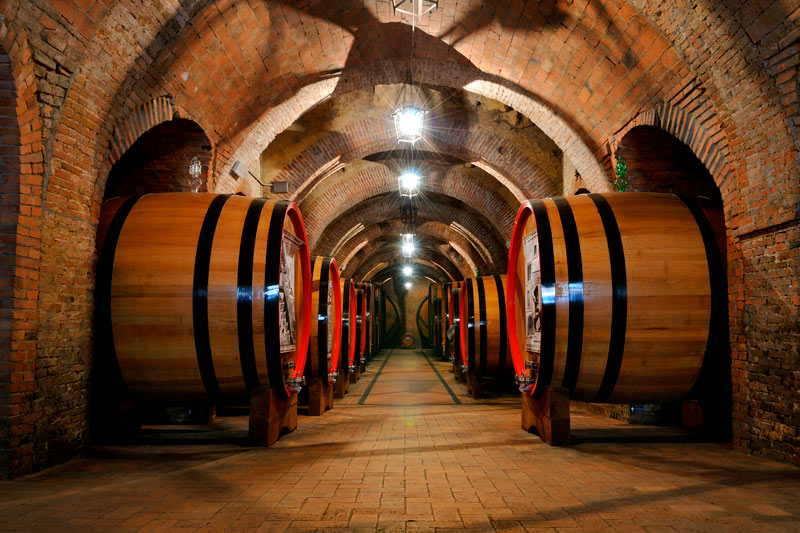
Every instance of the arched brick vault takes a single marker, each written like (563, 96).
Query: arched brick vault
(439, 236)
(596, 64)
(421, 269)
(522, 175)
(434, 73)
(388, 254)
(143, 119)
(386, 207)
(474, 251)
(20, 247)
(347, 188)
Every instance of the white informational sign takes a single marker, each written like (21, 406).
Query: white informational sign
(287, 316)
(330, 324)
(533, 293)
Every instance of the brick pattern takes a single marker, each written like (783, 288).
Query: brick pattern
(409, 459)
(385, 208)
(579, 70)
(658, 162)
(343, 192)
(710, 148)
(20, 243)
(357, 140)
(385, 233)
(759, 118)
(159, 161)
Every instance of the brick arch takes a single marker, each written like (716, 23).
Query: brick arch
(384, 208)
(423, 268)
(431, 72)
(154, 113)
(386, 253)
(345, 190)
(20, 203)
(511, 168)
(743, 114)
(687, 128)
(431, 230)
(586, 76)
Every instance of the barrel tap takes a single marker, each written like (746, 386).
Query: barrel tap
(294, 383)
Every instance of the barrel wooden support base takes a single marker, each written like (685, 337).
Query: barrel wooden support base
(548, 415)
(475, 385)
(341, 387)
(355, 374)
(270, 416)
(320, 397)
(458, 373)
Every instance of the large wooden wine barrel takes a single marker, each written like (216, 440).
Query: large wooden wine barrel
(423, 326)
(349, 348)
(434, 316)
(369, 313)
(379, 318)
(616, 297)
(392, 321)
(454, 317)
(325, 341)
(361, 324)
(483, 338)
(444, 318)
(203, 296)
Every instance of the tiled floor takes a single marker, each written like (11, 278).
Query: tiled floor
(407, 449)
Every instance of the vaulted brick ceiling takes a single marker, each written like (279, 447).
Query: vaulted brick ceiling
(342, 160)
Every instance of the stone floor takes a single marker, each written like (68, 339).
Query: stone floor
(409, 450)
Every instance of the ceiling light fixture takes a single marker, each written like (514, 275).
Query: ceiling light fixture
(409, 121)
(408, 247)
(409, 183)
(408, 285)
(415, 9)
(407, 271)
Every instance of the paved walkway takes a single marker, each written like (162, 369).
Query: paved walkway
(408, 450)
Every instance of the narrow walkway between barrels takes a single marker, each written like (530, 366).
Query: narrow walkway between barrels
(405, 377)
(408, 450)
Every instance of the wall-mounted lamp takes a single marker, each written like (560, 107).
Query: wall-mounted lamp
(240, 170)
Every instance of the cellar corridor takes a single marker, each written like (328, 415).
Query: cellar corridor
(406, 378)
(408, 450)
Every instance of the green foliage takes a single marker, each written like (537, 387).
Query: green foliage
(622, 170)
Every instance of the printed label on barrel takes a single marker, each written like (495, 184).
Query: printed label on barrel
(329, 323)
(533, 296)
(291, 245)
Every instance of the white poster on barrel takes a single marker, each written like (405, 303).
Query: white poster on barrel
(533, 294)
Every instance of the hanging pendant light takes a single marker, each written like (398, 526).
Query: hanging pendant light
(415, 9)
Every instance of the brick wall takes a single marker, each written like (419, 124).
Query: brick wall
(159, 161)
(581, 71)
(658, 162)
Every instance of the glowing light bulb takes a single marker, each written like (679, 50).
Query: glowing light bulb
(409, 121)
(409, 183)
(408, 285)
(408, 248)
(407, 270)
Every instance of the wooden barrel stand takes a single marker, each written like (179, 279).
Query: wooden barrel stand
(548, 416)
(270, 416)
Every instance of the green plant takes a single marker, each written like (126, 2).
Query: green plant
(622, 170)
